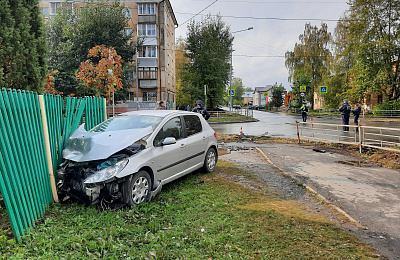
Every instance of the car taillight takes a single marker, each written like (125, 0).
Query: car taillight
(215, 134)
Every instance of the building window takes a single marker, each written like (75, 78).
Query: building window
(146, 29)
(147, 73)
(145, 9)
(128, 12)
(150, 96)
(45, 11)
(148, 51)
(128, 32)
(54, 6)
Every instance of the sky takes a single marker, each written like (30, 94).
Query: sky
(258, 54)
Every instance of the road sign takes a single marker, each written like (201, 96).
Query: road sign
(231, 92)
(302, 94)
(323, 89)
(265, 94)
(303, 88)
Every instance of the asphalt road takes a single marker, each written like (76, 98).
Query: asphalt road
(368, 193)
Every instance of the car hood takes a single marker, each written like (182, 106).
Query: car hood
(85, 146)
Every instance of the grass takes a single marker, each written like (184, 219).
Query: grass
(233, 118)
(197, 217)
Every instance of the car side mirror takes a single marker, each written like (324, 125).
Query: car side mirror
(168, 141)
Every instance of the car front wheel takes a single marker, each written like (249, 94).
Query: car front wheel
(211, 160)
(137, 189)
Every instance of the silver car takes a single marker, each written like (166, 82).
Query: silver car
(126, 159)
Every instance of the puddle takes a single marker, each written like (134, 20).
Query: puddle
(353, 163)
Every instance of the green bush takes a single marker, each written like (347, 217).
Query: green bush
(390, 105)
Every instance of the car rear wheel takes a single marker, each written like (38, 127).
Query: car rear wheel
(137, 189)
(211, 160)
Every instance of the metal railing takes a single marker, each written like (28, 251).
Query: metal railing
(383, 113)
(364, 136)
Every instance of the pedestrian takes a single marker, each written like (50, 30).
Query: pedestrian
(160, 106)
(178, 107)
(356, 112)
(345, 110)
(201, 109)
(182, 108)
(304, 111)
(188, 108)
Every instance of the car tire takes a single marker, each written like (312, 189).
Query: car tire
(137, 189)
(211, 160)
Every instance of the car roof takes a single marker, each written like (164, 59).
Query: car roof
(161, 113)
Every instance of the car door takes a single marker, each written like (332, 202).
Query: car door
(169, 160)
(196, 140)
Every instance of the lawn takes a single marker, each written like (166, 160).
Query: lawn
(233, 118)
(201, 216)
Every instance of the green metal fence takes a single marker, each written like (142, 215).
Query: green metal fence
(24, 174)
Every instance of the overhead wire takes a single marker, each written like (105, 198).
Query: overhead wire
(272, 18)
(198, 13)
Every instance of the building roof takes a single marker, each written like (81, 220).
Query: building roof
(263, 89)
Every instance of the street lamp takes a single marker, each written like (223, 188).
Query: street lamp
(230, 87)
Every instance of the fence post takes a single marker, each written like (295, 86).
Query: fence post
(47, 145)
(359, 137)
(297, 129)
(105, 108)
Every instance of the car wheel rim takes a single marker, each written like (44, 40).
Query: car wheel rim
(140, 190)
(211, 160)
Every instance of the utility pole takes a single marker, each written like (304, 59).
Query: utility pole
(230, 83)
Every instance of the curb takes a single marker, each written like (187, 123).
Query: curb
(233, 122)
(315, 193)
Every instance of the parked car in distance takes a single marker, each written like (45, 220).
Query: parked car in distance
(126, 159)
(236, 106)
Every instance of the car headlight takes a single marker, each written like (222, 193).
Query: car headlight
(106, 173)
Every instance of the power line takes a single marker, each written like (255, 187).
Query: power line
(278, 2)
(272, 18)
(198, 13)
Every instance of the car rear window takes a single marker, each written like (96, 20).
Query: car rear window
(127, 122)
(193, 124)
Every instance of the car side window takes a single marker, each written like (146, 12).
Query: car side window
(193, 124)
(173, 128)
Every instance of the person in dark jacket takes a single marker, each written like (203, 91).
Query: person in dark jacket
(345, 110)
(356, 112)
(304, 111)
(201, 109)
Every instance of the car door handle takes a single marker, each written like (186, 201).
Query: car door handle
(183, 145)
(204, 138)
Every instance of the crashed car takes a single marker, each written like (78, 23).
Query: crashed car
(126, 159)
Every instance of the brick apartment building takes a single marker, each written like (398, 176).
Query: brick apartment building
(153, 20)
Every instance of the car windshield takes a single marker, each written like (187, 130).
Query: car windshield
(127, 122)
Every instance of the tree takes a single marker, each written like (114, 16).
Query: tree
(278, 98)
(301, 80)
(181, 62)
(310, 57)
(374, 29)
(106, 75)
(71, 33)
(22, 45)
(237, 85)
(208, 48)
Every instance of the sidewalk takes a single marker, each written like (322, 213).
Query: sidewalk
(368, 193)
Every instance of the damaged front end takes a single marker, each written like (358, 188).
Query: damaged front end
(93, 161)
(94, 182)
